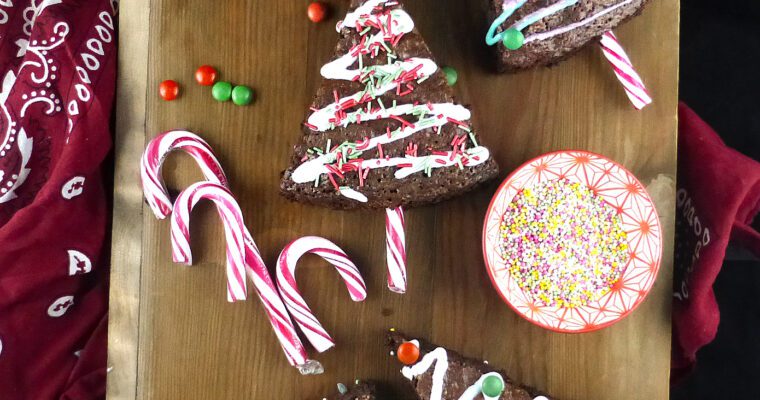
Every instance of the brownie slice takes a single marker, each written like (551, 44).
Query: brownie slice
(558, 36)
(349, 176)
(462, 373)
(360, 390)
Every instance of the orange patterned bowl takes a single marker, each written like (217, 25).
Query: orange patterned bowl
(618, 189)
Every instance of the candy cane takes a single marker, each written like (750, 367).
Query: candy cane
(153, 157)
(286, 281)
(275, 308)
(395, 240)
(234, 230)
(243, 258)
(621, 64)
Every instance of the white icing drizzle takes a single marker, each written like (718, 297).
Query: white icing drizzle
(321, 118)
(360, 12)
(312, 169)
(440, 357)
(353, 194)
(441, 360)
(567, 28)
(380, 79)
(542, 13)
(477, 388)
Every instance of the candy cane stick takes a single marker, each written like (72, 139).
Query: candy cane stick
(275, 308)
(243, 258)
(621, 64)
(153, 157)
(395, 240)
(286, 281)
(234, 230)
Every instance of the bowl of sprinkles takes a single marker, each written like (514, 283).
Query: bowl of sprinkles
(572, 241)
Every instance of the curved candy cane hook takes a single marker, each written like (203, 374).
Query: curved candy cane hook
(155, 154)
(234, 230)
(277, 311)
(286, 281)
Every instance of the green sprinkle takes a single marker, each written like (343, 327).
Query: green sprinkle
(387, 48)
(472, 138)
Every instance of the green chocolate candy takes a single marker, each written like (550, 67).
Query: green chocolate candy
(451, 75)
(242, 95)
(492, 386)
(513, 39)
(222, 91)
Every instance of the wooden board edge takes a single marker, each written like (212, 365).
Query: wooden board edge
(126, 247)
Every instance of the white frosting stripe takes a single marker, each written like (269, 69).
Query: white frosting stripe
(567, 28)
(441, 360)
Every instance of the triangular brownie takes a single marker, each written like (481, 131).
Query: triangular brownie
(383, 130)
(545, 32)
(442, 374)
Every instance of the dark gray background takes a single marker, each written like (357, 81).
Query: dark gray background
(720, 80)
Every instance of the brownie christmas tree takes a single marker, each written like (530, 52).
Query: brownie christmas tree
(384, 130)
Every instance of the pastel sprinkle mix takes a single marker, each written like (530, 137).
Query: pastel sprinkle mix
(563, 244)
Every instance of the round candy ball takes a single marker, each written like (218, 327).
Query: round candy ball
(408, 353)
(169, 90)
(513, 39)
(492, 386)
(222, 91)
(451, 75)
(205, 75)
(242, 95)
(317, 11)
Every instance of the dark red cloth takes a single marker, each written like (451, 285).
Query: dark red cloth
(57, 69)
(718, 197)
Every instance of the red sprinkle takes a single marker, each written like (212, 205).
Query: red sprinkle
(332, 180)
(399, 119)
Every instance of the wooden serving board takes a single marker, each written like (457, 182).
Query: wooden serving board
(172, 333)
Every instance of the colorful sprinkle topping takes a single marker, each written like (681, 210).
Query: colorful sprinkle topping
(563, 244)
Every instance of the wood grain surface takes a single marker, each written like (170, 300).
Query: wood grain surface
(172, 333)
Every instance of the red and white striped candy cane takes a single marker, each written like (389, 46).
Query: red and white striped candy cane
(286, 281)
(278, 313)
(153, 157)
(234, 230)
(243, 258)
(395, 240)
(621, 64)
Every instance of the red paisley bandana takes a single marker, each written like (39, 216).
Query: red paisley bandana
(57, 80)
